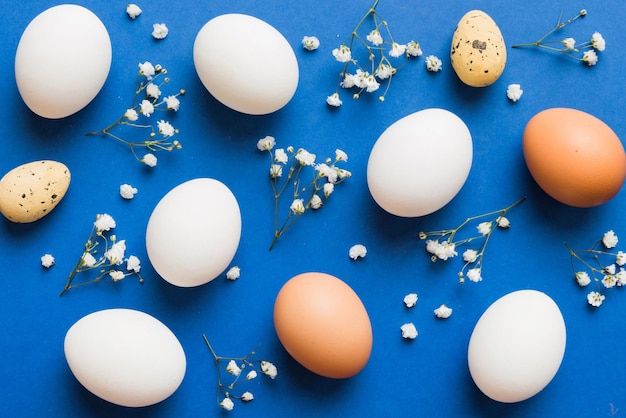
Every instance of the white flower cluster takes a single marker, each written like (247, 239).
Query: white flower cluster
(514, 92)
(235, 367)
(357, 251)
(381, 51)
(605, 274)
(286, 167)
(148, 99)
(445, 245)
(409, 331)
(107, 264)
(568, 45)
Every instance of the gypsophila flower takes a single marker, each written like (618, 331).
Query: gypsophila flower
(47, 260)
(375, 38)
(609, 281)
(316, 202)
(620, 276)
(132, 10)
(280, 156)
(610, 269)
(305, 157)
(269, 369)
(276, 170)
(568, 46)
(609, 239)
(413, 49)
(433, 63)
(106, 263)
(409, 331)
(334, 100)
(247, 397)
(446, 243)
(410, 300)
(342, 54)
(159, 31)
(310, 43)
(233, 368)
(582, 278)
(146, 101)
(233, 273)
(328, 189)
(149, 159)
(340, 155)
(266, 143)
(357, 251)
(127, 191)
(514, 92)
(595, 299)
(397, 50)
(384, 71)
(227, 404)
(443, 312)
(620, 258)
(297, 207)
(252, 374)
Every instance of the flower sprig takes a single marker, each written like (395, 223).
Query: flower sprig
(381, 51)
(109, 261)
(600, 262)
(236, 369)
(294, 163)
(446, 243)
(150, 79)
(568, 46)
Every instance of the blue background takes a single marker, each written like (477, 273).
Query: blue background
(425, 377)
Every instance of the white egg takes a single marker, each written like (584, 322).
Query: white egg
(126, 357)
(420, 163)
(193, 232)
(62, 61)
(517, 346)
(246, 64)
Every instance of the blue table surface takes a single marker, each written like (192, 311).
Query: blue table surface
(426, 377)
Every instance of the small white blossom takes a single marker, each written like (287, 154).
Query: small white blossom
(115, 254)
(569, 44)
(503, 222)
(47, 260)
(484, 228)
(441, 251)
(146, 69)
(146, 108)
(127, 191)
(413, 49)
(474, 275)
(595, 299)
(316, 202)
(620, 258)
(582, 278)
(397, 50)
(610, 269)
(620, 276)
(132, 10)
(433, 63)
(227, 404)
(251, 375)
(310, 43)
(305, 157)
(342, 174)
(340, 155)
(597, 41)
(443, 312)
(514, 92)
(410, 300)
(370, 84)
(349, 81)
(375, 37)
(133, 264)
(590, 58)
(165, 128)
(280, 156)
(357, 251)
(342, 54)
(266, 144)
(328, 189)
(131, 115)
(233, 368)
(609, 239)
(469, 256)
(88, 260)
(409, 331)
(609, 281)
(269, 369)
(297, 207)
(334, 100)
(149, 159)
(116, 275)
(247, 397)
(276, 171)
(324, 170)
(152, 90)
(172, 103)
(104, 222)
(233, 273)
(159, 31)
(384, 71)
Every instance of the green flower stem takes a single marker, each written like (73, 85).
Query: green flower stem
(559, 25)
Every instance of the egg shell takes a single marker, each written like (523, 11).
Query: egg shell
(125, 356)
(32, 190)
(62, 60)
(478, 52)
(246, 64)
(323, 325)
(574, 157)
(193, 232)
(517, 346)
(420, 163)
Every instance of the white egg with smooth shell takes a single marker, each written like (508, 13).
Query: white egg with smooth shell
(193, 232)
(420, 163)
(517, 346)
(125, 356)
(246, 64)
(62, 60)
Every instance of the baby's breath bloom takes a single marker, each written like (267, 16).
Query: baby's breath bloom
(590, 58)
(484, 228)
(469, 256)
(328, 189)
(384, 71)
(342, 54)
(233, 368)
(374, 37)
(409, 331)
(269, 369)
(115, 254)
(165, 128)
(47, 260)
(620, 276)
(334, 100)
(276, 171)
(159, 31)
(597, 41)
(150, 160)
(266, 144)
(305, 157)
(247, 397)
(132, 10)
(104, 222)
(340, 155)
(133, 264)
(227, 404)
(433, 63)
(410, 300)
(357, 251)
(280, 156)
(609, 239)
(310, 43)
(474, 275)
(172, 103)
(443, 312)
(152, 90)
(127, 191)
(503, 222)
(297, 206)
(131, 115)
(442, 251)
(620, 258)
(316, 202)
(88, 260)
(514, 93)
(146, 108)
(595, 299)
(146, 69)
(233, 273)
(116, 275)
(251, 375)
(582, 278)
(609, 281)
(569, 44)
(397, 50)
(413, 49)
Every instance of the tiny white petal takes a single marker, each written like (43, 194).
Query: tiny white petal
(357, 251)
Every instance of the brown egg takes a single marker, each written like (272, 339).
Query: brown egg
(574, 157)
(323, 325)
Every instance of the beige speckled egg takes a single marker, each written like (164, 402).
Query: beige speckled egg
(29, 192)
(478, 52)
